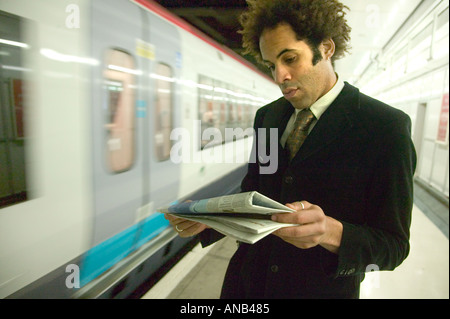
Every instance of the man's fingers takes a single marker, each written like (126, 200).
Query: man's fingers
(184, 227)
(300, 205)
(308, 214)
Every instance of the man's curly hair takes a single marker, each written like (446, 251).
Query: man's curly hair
(312, 20)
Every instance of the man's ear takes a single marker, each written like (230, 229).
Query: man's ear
(327, 48)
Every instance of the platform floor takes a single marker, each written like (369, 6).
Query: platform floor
(423, 275)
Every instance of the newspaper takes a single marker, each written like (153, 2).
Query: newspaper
(244, 216)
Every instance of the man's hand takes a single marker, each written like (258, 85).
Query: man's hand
(315, 228)
(184, 227)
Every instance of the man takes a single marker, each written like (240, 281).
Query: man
(350, 182)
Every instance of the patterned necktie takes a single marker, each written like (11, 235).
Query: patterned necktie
(300, 132)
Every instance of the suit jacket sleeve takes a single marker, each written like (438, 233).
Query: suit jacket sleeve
(382, 243)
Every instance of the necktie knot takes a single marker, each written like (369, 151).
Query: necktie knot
(300, 132)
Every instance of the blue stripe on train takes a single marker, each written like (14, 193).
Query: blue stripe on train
(106, 254)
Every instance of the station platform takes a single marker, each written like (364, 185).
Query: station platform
(423, 275)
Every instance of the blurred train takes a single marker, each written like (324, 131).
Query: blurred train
(91, 95)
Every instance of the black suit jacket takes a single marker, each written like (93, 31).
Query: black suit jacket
(357, 164)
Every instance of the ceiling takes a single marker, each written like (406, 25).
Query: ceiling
(373, 23)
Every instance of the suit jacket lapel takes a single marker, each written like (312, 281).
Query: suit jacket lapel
(337, 119)
(278, 117)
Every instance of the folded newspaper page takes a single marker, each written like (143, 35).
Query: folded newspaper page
(249, 202)
(244, 216)
(246, 230)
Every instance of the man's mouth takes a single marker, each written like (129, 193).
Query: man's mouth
(289, 93)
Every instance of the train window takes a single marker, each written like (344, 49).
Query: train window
(207, 114)
(13, 107)
(222, 106)
(240, 117)
(119, 77)
(163, 110)
(219, 98)
(231, 109)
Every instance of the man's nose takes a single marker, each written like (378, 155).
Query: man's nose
(281, 74)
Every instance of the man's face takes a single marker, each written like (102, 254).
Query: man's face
(290, 61)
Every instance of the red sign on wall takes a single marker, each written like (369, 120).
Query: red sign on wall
(442, 136)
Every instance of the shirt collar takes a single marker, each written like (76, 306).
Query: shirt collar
(320, 106)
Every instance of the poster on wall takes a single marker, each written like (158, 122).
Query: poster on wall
(442, 136)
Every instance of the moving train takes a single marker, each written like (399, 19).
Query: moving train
(109, 110)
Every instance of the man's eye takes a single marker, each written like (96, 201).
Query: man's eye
(290, 59)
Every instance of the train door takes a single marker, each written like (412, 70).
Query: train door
(163, 115)
(117, 134)
(134, 107)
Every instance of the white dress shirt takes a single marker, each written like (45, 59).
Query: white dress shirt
(318, 108)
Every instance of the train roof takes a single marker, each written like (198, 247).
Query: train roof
(176, 20)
